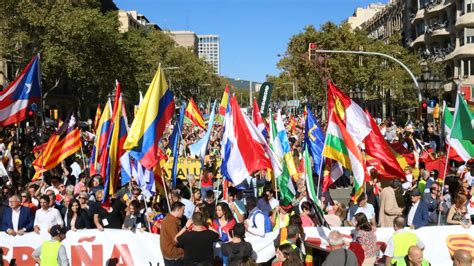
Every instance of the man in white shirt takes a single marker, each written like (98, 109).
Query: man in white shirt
(418, 214)
(46, 217)
(16, 219)
(401, 237)
(255, 223)
(364, 207)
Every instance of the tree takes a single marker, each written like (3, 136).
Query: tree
(347, 70)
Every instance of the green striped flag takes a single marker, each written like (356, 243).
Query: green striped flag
(308, 175)
(464, 148)
(463, 126)
(284, 183)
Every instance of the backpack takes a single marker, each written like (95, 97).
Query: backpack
(268, 223)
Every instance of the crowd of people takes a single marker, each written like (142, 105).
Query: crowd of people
(200, 224)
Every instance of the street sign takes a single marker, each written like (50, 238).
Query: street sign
(293, 103)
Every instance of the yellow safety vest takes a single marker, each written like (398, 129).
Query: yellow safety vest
(421, 185)
(402, 262)
(49, 253)
(286, 221)
(401, 243)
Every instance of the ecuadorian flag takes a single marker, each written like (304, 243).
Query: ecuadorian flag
(150, 121)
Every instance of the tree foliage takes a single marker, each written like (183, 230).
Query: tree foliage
(346, 71)
(83, 53)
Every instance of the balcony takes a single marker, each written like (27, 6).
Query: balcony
(462, 51)
(417, 16)
(466, 20)
(419, 40)
(436, 54)
(436, 6)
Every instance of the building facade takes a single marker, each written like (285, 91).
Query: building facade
(132, 19)
(362, 15)
(187, 39)
(387, 22)
(209, 50)
(443, 30)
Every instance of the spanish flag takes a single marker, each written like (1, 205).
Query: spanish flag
(150, 122)
(97, 117)
(62, 144)
(192, 112)
(224, 101)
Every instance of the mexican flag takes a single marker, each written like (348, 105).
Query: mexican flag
(463, 147)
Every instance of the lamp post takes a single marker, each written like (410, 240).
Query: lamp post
(430, 82)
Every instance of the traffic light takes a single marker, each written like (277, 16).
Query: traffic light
(424, 105)
(312, 51)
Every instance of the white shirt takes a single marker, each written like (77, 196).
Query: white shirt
(15, 218)
(274, 203)
(188, 207)
(45, 219)
(368, 210)
(411, 214)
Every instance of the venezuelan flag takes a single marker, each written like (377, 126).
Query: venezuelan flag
(150, 122)
(101, 137)
(192, 112)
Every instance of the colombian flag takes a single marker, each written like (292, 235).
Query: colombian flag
(116, 139)
(101, 137)
(192, 112)
(224, 101)
(150, 122)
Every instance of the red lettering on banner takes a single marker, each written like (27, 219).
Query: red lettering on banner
(79, 256)
(23, 256)
(5, 252)
(121, 253)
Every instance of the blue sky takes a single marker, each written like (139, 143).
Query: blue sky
(252, 32)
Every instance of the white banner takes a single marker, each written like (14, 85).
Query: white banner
(434, 237)
(92, 247)
(89, 247)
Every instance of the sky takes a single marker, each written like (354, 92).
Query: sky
(252, 32)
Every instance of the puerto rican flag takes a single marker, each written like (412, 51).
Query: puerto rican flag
(20, 94)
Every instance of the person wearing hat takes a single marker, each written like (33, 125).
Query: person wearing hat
(418, 214)
(52, 252)
(389, 208)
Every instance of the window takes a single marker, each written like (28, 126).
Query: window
(469, 33)
(461, 38)
(471, 67)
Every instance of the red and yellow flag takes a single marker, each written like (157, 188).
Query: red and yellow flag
(98, 113)
(224, 101)
(192, 112)
(62, 144)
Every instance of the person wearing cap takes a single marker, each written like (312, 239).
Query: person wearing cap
(418, 214)
(52, 252)
(389, 208)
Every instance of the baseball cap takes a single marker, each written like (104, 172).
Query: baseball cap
(57, 230)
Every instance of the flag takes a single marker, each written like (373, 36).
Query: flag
(332, 171)
(257, 119)
(463, 121)
(349, 112)
(150, 122)
(63, 143)
(464, 148)
(308, 176)
(340, 146)
(199, 148)
(377, 147)
(117, 136)
(174, 141)
(284, 182)
(100, 143)
(192, 112)
(98, 113)
(224, 101)
(285, 145)
(314, 140)
(21, 95)
(131, 168)
(245, 152)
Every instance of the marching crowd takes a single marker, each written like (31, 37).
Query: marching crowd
(197, 216)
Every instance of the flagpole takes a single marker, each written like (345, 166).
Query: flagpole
(83, 160)
(166, 191)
